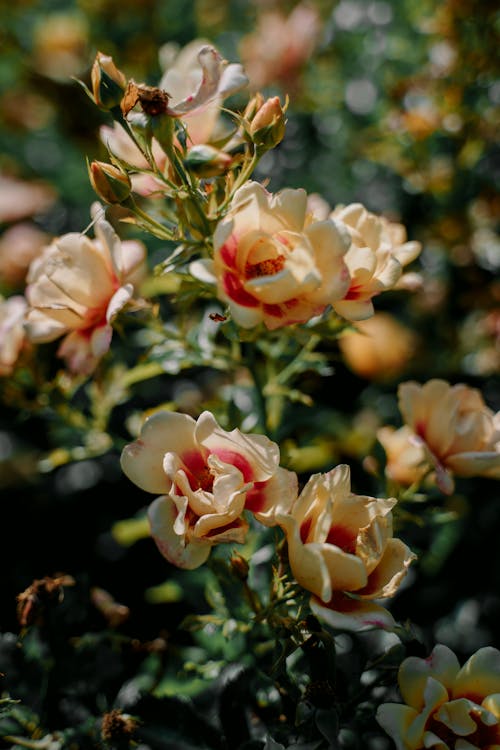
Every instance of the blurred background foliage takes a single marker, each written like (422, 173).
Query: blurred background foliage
(393, 104)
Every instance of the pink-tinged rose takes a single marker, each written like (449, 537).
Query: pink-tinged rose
(275, 264)
(407, 462)
(458, 432)
(280, 46)
(20, 199)
(446, 707)
(375, 260)
(77, 287)
(207, 478)
(341, 549)
(12, 336)
(197, 79)
(19, 245)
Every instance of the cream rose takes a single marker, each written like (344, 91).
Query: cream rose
(446, 707)
(341, 549)
(208, 477)
(375, 260)
(273, 263)
(77, 287)
(12, 336)
(459, 433)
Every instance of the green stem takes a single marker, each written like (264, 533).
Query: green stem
(159, 229)
(249, 351)
(142, 372)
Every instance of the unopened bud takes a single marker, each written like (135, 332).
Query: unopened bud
(111, 184)
(267, 127)
(239, 566)
(207, 161)
(253, 107)
(108, 83)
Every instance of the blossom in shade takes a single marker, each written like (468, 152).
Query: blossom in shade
(207, 478)
(375, 260)
(341, 549)
(458, 432)
(77, 287)
(406, 460)
(446, 707)
(12, 336)
(273, 263)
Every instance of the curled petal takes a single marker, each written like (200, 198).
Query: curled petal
(395, 719)
(442, 664)
(348, 613)
(479, 676)
(184, 554)
(386, 578)
(118, 301)
(142, 461)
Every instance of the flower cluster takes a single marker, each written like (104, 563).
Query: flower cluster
(447, 707)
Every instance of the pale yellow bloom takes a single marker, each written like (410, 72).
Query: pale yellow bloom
(341, 549)
(77, 287)
(375, 260)
(446, 707)
(379, 348)
(273, 263)
(406, 456)
(12, 336)
(208, 477)
(460, 434)
(19, 244)
(281, 44)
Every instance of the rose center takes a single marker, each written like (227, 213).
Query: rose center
(268, 267)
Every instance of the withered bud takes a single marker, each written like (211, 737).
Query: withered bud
(154, 101)
(206, 161)
(239, 566)
(110, 183)
(117, 726)
(267, 127)
(113, 612)
(108, 83)
(32, 602)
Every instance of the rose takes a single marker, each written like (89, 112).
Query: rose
(273, 263)
(12, 336)
(341, 549)
(375, 260)
(77, 287)
(208, 478)
(458, 432)
(447, 707)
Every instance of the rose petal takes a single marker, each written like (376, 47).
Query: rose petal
(188, 555)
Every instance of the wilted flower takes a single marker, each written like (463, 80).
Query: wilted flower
(341, 549)
(447, 707)
(375, 260)
(215, 80)
(273, 263)
(208, 477)
(459, 433)
(379, 348)
(19, 245)
(280, 45)
(77, 287)
(12, 336)
(108, 83)
(198, 79)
